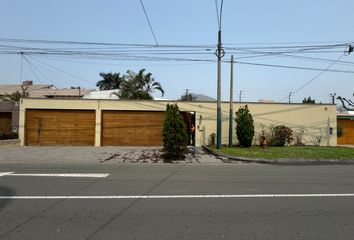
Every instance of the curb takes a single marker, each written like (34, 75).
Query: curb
(280, 161)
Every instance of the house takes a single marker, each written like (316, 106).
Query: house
(30, 90)
(66, 93)
(104, 94)
(97, 122)
(9, 117)
(9, 110)
(26, 88)
(108, 94)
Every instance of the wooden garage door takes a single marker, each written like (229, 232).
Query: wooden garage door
(132, 128)
(348, 132)
(5, 122)
(60, 127)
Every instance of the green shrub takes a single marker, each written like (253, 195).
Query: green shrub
(174, 134)
(244, 126)
(212, 139)
(280, 135)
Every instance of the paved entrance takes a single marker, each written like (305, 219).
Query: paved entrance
(104, 155)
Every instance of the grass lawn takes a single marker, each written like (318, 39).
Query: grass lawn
(290, 152)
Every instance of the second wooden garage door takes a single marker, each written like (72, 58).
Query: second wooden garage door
(132, 128)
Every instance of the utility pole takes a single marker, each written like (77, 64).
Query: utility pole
(21, 68)
(219, 53)
(240, 96)
(333, 96)
(290, 97)
(231, 100)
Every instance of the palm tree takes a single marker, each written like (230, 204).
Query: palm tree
(139, 86)
(110, 81)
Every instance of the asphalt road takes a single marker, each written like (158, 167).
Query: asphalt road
(255, 207)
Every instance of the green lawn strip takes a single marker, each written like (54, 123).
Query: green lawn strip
(306, 152)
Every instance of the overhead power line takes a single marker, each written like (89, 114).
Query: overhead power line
(295, 67)
(317, 76)
(147, 19)
(75, 77)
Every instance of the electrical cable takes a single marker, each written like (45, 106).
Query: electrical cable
(317, 76)
(33, 72)
(45, 76)
(147, 18)
(62, 71)
(293, 67)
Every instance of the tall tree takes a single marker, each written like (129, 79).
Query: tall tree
(308, 100)
(110, 81)
(347, 104)
(139, 86)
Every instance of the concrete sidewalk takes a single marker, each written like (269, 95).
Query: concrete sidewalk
(108, 155)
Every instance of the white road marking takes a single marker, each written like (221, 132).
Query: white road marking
(323, 195)
(5, 173)
(79, 175)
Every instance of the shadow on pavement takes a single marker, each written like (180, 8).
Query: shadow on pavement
(5, 191)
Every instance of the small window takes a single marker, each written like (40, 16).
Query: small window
(331, 131)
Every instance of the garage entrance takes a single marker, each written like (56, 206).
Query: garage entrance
(5, 122)
(348, 131)
(189, 120)
(60, 127)
(138, 128)
(132, 128)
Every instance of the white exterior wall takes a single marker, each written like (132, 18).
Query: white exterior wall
(315, 119)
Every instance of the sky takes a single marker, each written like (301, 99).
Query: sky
(252, 31)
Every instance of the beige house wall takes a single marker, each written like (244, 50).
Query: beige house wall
(314, 120)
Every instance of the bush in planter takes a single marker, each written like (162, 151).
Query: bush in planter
(174, 134)
(281, 134)
(244, 126)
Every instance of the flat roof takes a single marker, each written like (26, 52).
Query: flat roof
(345, 116)
(179, 101)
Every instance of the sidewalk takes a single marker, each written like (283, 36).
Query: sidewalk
(104, 155)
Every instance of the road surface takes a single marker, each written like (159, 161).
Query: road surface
(175, 201)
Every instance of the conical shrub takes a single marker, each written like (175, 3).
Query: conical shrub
(174, 134)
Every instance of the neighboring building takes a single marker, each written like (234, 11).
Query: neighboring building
(66, 93)
(109, 94)
(9, 117)
(26, 87)
(127, 123)
(30, 90)
(104, 94)
(9, 110)
(345, 122)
